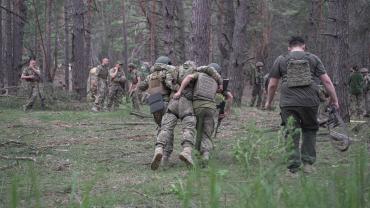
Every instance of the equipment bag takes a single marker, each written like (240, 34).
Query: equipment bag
(299, 73)
(156, 84)
(205, 88)
(156, 103)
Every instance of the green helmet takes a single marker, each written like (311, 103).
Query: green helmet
(163, 60)
(216, 66)
(132, 65)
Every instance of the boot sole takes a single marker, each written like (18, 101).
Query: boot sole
(156, 161)
(185, 160)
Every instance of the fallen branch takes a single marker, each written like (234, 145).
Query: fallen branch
(17, 158)
(12, 141)
(119, 124)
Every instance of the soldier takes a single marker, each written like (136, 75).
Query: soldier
(102, 76)
(92, 87)
(204, 93)
(366, 91)
(299, 100)
(144, 72)
(133, 91)
(32, 76)
(356, 83)
(257, 82)
(116, 79)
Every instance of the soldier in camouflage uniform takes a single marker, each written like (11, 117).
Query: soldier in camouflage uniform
(356, 84)
(92, 88)
(32, 76)
(102, 76)
(144, 72)
(161, 81)
(133, 91)
(115, 79)
(366, 91)
(257, 83)
(204, 89)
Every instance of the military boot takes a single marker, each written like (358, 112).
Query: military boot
(165, 159)
(185, 156)
(157, 158)
(94, 109)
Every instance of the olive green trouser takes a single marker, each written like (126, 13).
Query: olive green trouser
(205, 127)
(304, 118)
(101, 93)
(178, 109)
(257, 93)
(356, 101)
(34, 90)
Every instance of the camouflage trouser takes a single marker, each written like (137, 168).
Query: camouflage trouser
(135, 100)
(101, 93)
(178, 109)
(168, 149)
(91, 95)
(356, 101)
(34, 90)
(205, 127)
(256, 94)
(113, 96)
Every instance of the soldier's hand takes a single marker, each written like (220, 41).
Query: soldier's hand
(220, 88)
(177, 95)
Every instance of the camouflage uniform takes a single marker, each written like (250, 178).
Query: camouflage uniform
(92, 88)
(34, 88)
(356, 89)
(144, 73)
(115, 87)
(134, 78)
(257, 82)
(102, 75)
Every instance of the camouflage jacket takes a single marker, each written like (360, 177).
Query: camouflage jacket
(118, 79)
(27, 71)
(102, 71)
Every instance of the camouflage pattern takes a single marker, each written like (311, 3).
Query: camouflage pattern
(115, 88)
(92, 87)
(34, 88)
(134, 94)
(298, 73)
(102, 86)
(257, 83)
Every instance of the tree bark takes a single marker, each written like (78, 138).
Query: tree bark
(200, 37)
(152, 27)
(79, 70)
(47, 54)
(338, 66)
(66, 44)
(226, 21)
(169, 41)
(180, 34)
(125, 42)
(1, 49)
(88, 33)
(238, 59)
(9, 45)
(315, 27)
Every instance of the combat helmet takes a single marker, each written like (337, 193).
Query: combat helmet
(364, 70)
(163, 60)
(259, 64)
(216, 66)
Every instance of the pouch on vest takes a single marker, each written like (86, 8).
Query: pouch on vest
(299, 73)
(205, 88)
(156, 85)
(156, 102)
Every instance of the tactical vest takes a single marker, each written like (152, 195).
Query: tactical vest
(188, 91)
(299, 72)
(102, 72)
(205, 88)
(156, 83)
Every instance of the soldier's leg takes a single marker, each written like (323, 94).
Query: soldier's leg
(99, 95)
(259, 99)
(110, 98)
(254, 95)
(290, 121)
(32, 98)
(208, 128)
(135, 101)
(40, 92)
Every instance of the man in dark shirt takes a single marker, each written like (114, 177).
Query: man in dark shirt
(299, 100)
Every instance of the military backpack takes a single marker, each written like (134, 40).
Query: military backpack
(299, 72)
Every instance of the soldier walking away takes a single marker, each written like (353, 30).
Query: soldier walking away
(102, 75)
(92, 85)
(356, 83)
(299, 101)
(205, 89)
(116, 80)
(159, 85)
(366, 91)
(257, 83)
(133, 89)
(31, 74)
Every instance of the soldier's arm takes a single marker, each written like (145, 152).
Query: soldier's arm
(184, 84)
(25, 76)
(329, 87)
(229, 102)
(170, 80)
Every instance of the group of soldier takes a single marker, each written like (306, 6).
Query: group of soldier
(360, 91)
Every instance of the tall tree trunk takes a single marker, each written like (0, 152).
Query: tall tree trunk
(339, 50)
(1, 49)
(169, 32)
(47, 55)
(262, 50)
(88, 32)
(180, 34)
(226, 22)
(315, 26)
(125, 42)
(79, 71)
(55, 67)
(18, 32)
(9, 45)
(201, 19)
(66, 44)
(153, 28)
(238, 58)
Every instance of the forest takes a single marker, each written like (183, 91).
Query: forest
(68, 156)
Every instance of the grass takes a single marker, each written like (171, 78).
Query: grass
(86, 159)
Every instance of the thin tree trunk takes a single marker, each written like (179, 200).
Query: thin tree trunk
(79, 71)
(315, 26)
(66, 44)
(47, 57)
(153, 25)
(88, 32)
(238, 58)
(55, 68)
(125, 43)
(168, 13)
(9, 44)
(201, 19)
(1, 49)
(180, 37)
